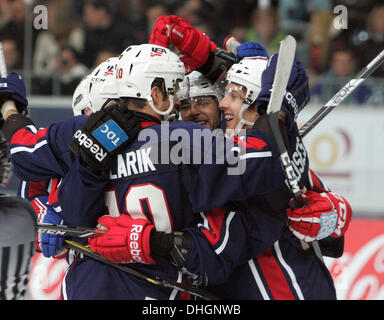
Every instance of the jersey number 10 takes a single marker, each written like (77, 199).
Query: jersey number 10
(135, 197)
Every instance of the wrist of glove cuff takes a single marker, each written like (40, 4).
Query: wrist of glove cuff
(218, 61)
(14, 123)
(174, 246)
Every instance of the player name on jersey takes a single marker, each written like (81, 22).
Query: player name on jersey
(137, 163)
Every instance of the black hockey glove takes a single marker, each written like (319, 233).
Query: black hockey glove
(218, 62)
(104, 135)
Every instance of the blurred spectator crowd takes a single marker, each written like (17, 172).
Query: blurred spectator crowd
(82, 33)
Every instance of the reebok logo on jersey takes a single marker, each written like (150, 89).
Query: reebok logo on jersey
(86, 142)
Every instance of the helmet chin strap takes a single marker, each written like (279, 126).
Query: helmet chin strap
(165, 113)
(242, 121)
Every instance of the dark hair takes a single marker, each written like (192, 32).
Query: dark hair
(137, 103)
(140, 103)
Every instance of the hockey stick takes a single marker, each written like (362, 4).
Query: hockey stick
(83, 232)
(283, 70)
(159, 282)
(342, 94)
(3, 66)
(9, 104)
(62, 230)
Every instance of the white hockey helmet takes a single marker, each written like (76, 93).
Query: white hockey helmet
(196, 85)
(96, 88)
(80, 99)
(102, 84)
(247, 73)
(139, 65)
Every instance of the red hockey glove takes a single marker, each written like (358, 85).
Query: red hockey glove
(160, 33)
(125, 241)
(193, 44)
(327, 214)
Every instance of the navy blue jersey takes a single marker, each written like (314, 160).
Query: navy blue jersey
(167, 193)
(243, 255)
(283, 272)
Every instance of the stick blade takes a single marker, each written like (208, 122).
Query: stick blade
(283, 70)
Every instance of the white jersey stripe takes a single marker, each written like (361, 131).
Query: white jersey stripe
(263, 154)
(226, 237)
(22, 189)
(288, 269)
(28, 149)
(258, 280)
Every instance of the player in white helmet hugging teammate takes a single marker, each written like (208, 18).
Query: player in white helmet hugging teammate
(199, 102)
(129, 179)
(91, 94)
(118, 249)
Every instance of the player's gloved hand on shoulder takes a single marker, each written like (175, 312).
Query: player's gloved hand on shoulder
(194, 45)
(296, 96)
(13, 87)
(126, 240)
(51, 245)
(326, 214)
(105, 134)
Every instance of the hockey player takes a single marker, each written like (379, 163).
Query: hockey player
(17, 236)
(44, 195)
(297, 259)
(197, 193)
(196, 188)
(253, 279)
